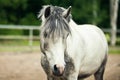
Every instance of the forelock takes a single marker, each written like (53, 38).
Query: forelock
(55, 25)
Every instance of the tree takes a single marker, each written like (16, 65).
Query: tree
(95, 15)
(113, 18)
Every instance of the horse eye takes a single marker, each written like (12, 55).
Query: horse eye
(44, 53)
(45, 46)
(45, 34)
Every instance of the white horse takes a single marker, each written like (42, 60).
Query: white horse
(70, 51)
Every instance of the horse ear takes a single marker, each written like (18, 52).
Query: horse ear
(67, 12)
(47, 12)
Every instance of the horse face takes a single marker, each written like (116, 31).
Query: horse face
(54, 52)
(54, 32)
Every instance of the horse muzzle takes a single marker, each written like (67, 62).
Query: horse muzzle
(58, 70)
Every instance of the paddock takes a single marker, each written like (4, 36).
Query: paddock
(26, 66)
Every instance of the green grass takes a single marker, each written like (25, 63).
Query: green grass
(18, 46)
(17, 43)
(21, 49)
(23, 45)
(114, 50)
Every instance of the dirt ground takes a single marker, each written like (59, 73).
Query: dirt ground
(26, 66)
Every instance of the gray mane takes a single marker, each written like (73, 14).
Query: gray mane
(56, 25)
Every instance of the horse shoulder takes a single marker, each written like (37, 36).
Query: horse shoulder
(95, 47)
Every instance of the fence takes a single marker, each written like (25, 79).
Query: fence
(20, 27)
(30, 37)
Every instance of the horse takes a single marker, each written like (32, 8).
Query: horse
(70, 51)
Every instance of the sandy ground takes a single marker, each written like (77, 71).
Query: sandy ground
(26, 66)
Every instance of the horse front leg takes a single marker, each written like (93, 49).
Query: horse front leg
(72, 67)
(50, 78)
(55, 78)
(73, 76)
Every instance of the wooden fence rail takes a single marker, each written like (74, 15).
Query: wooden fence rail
(30, 37)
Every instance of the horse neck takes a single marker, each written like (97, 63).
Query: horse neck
(72, 23)
(71, 41)
(73, 26)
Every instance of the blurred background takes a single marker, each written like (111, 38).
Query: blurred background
(19, 32)
(24, 13)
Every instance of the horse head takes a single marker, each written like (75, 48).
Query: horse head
(54, 32)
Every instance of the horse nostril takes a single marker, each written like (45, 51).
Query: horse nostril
(55, 68)
(58, 70)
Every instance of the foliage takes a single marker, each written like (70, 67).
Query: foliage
(10, 32)
(24, 12)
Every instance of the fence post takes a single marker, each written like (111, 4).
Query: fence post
(31, 37)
